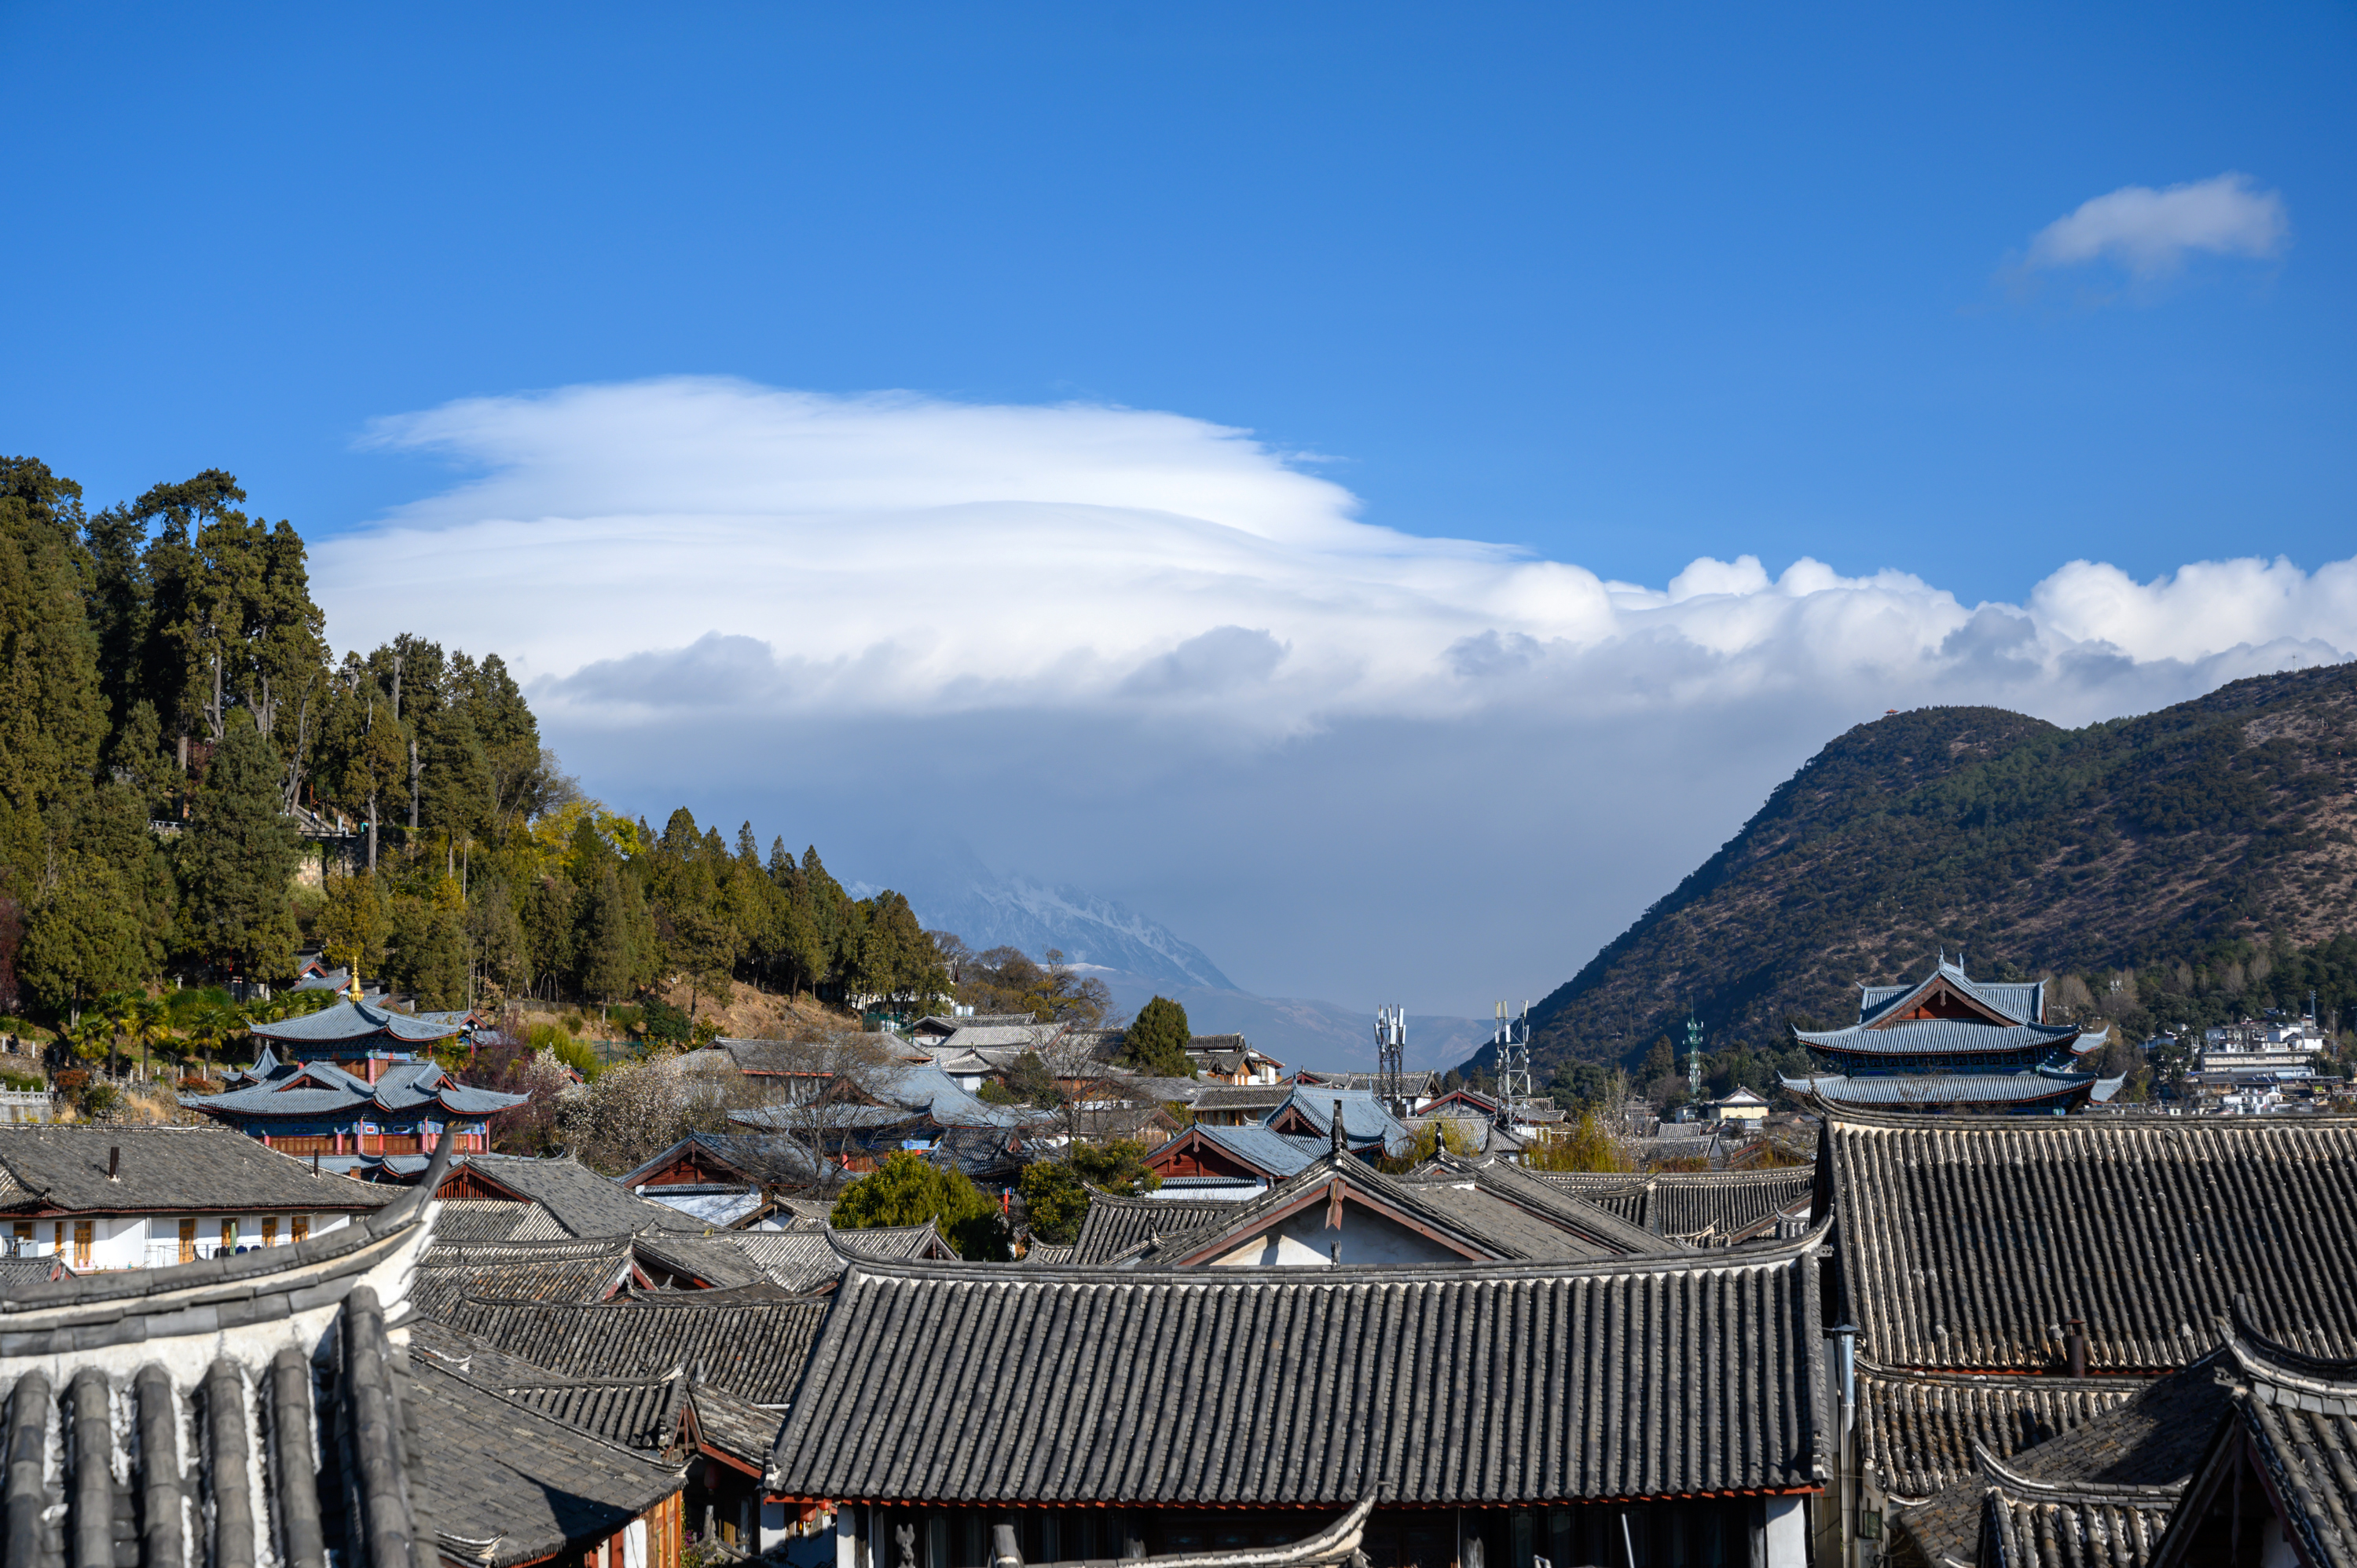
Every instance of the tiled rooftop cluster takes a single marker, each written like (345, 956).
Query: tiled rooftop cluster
(1963, 1339)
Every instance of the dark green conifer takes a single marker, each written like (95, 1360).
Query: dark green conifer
(238, 859)
(1156, 1043)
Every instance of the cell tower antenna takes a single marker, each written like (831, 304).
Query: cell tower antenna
(1694, 1057)
(1391, 1058)
(1512, 1046)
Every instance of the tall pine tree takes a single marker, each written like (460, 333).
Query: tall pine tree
(238, 859)
(1157, 1042)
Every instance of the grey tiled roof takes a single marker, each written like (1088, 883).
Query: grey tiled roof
(700, 1262)
(32, 1270)
(1268, 1387)
(641, 1412)
(583, 1202)
(463, 1219)
(2297, 1417)
(752, 1348)
(807, 1260)
(2067, 1485)
(312, 1089)
(1948, 1036)
(1993, 1090)
(2034, 1524)
(1509, 1231)
(762, 1158)
(800, 1258)
(579, 1271)
(1966, 1242)
(2020, 1000)
(1280, 1154)
(1469, 1221)
(44, 1167)
(509, 1485)
(1694, 1205)
(478, 1360)
(736, 1426)
(1364, 1121)
(1113, 1225)
(1917, 1430)
(1260, 1098)
(357, 1023)
(1605, 1233)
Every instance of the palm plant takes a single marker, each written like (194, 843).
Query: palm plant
(118, 1013)
(211, 1028)
(150, 1026)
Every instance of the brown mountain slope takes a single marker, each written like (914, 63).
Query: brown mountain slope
(2034, 849)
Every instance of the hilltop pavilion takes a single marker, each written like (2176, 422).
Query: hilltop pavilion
(1949, 1043)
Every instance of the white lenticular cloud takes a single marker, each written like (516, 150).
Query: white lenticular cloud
(1148, 655)
(2151, 233)
(792, 554)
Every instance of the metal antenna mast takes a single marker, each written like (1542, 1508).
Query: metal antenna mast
(1694, 1058)
(1391, 1058)
(1512, 1046)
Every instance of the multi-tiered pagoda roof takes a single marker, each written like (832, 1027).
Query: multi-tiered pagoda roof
(1950, 1041)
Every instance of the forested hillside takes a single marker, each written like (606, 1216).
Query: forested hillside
(172, 717)
(2178, 866)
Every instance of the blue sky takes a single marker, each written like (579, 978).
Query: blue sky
(1617, 287)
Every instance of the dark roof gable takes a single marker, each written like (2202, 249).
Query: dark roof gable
(45, 1168)
(989, 1384)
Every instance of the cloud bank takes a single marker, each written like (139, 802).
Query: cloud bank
(1151, 656)
(2151, 232)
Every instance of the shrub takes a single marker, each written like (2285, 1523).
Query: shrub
(73, 1081)
(1056, 1200)
(575, 1054)
(907, 1189)
(1117, 1164)
(664, 1025)
(23, 1083)
(1591, 1146)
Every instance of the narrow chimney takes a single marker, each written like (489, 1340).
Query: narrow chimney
(1342, 1145)
(113, 1163)
(2074, 1345)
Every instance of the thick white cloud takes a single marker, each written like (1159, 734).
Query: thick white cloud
(2151, 233)
(1147, 654)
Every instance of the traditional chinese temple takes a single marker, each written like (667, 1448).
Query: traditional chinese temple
(1948, 1042)
(343, 1118)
